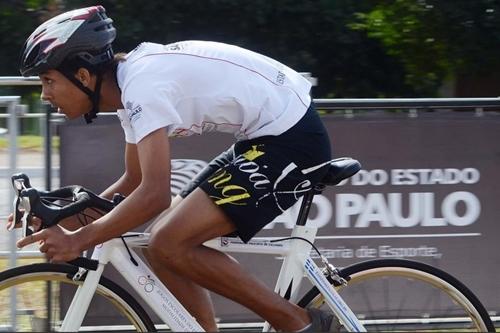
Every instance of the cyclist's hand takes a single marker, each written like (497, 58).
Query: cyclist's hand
(35, 223)
(10, 220)
(57, 243)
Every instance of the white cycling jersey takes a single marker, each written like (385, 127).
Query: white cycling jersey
(192, 87)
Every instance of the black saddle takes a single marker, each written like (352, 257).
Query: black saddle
(340, 169)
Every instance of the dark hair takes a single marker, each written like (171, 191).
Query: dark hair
(120, 57)
(72, 65)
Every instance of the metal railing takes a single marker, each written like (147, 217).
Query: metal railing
(11, 102)
(409, 103)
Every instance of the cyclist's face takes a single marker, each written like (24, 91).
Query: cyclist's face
(64, 95)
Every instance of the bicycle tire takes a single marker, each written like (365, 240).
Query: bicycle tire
(30, 279)
(452, 304)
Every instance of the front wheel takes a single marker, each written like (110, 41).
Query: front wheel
(404, 295)
(43, 293)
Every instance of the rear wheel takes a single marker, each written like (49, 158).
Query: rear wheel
(37, 311)
(404, 295)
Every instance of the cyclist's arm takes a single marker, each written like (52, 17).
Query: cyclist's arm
(131, 178)
(150, 198)
(125, 185)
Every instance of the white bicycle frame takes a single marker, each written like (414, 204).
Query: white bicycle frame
(297, 264)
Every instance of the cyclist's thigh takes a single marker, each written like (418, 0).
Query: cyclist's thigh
(195, 220)
(218, 162)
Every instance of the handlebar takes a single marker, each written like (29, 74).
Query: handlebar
(30, 202)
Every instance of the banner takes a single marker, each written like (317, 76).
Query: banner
(428, 191)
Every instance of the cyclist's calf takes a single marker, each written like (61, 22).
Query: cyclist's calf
(193, 297)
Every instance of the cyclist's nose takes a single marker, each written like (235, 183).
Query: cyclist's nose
(44, 97)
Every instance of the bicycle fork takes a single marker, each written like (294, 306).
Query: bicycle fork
(81, 301)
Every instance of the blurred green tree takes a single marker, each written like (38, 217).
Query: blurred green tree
(438, 39)
(18, 18)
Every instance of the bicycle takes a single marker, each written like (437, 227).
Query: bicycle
(335, 288)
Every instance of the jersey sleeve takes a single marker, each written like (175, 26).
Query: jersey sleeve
(149, 105)
(125, 123)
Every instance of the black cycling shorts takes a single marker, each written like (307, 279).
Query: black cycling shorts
(256, 180)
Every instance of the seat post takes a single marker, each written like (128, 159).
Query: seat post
(305, 206)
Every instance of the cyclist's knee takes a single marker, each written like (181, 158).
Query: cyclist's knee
(146, 253)
(164, 248)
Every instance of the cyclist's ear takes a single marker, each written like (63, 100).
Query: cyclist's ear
(84, 76)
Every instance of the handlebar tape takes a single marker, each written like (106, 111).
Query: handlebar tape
(86, 263)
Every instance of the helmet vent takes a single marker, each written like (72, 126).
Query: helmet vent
(86, 56)
(33, 55)
(102, 27)
(40, 34)
(65, 20)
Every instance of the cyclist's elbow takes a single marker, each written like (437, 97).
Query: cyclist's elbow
(156, 196)
(164, 201)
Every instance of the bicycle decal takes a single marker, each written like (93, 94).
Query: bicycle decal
(147, 282)
(334, 298)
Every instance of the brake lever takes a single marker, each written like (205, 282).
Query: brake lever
(22, 217)
(26, 231)
(20, 182)
(29, 202)
(17, 215)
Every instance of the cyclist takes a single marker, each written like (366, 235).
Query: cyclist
(175, 90)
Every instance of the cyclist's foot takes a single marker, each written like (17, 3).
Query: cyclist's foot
(321, 321)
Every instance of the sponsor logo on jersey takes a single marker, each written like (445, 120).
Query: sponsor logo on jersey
(133, 112)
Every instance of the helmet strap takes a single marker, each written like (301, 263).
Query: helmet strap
(94, 96)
